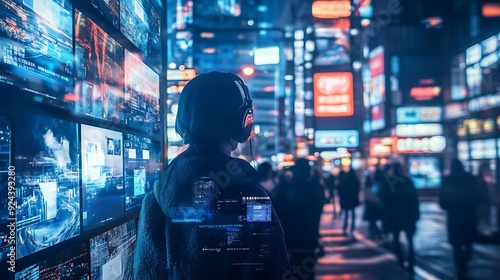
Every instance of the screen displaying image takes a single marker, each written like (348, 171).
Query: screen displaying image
(69, 264)
(142, 95)
(142, 168)
(112, 253)
(37, 48)
(332, 46)
(5, 155)
(458, 78)
(102, 176)
(425, 172)
(110, 9)
(474, 79)
(47, 182)
(140, 23)
(99, 72)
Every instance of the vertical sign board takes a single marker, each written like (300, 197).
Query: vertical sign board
(333, 94)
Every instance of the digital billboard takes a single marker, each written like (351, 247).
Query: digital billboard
(47, 182)
(336, 138)
(377, 89)
(71, 263)
(413, 115)
(332, 46)
(110, 9)
(333, 94)
(36, 38)
(112, 253)
(417, 145)
(140, 22)
(5, 203)
(99, 71)
(142, 168)
(458, 78)
(142, 95)
(102, 176)
(424, 172)
(474, 79)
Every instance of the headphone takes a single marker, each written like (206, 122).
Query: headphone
(243, 121)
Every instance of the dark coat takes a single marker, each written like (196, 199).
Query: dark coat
(299, 208)
(400, 205)
(348, 190)
(460, 197)
(184, 237)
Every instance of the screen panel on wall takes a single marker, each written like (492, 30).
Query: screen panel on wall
(5, 203)
(142, 95)
(333, 94)
(377, 89)
(112, 253)
(332, 45)
(36, 38)
(142, 168)
(99, 71)
(47, 182)
(102, 176)
(110, 9)
(72, 263)
(140, 23)
(424, 172)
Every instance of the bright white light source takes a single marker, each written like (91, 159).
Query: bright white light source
(172, 65)
(250, 22)
(267, 56)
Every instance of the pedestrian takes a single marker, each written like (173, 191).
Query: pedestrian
(185, 223)
(400, 206)
(460, 197)
(266, 178)
(348, 188)
(330, 185)
(299, 208)
(372, 208)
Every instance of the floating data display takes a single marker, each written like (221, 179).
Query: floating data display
(110, 9)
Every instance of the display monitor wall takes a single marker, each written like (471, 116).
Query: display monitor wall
(36, 38)
(102, 176)
(47, 182)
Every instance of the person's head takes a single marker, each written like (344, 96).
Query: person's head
(215, 111)
(265, 171)
(397, 168)
(457, 167)
(301, 169)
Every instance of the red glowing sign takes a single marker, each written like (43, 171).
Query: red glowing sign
(333, 94)
(425, 93)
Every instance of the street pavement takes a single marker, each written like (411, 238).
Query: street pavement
(357, 257)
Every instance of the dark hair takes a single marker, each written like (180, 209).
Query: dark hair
(264, 169)
(207, 107)
(301, 169)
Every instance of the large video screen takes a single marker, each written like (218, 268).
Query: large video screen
(142, 95)
(332, 46)
(425, 172)
(142, 168)
(99, 72)
(102, 176)
(140, 23)
(110, 9)
(69, 264)
(36, 38)
(458, 78)
(5, 214)
(47, 182)
(112, 253)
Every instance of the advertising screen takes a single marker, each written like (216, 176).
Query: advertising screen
(424, 172)
(336, 138)
(380, 147)
(47, 182)
(458, 78)
(140, 23)
(71, 263)
(377, 88)
(5, 214)
(99, 71)
(332, 46)
(36, 38)
(208, 8)
(419, 130)
(142, 95)
(112, 253)
(102, 176)
(110, 9)
(473, 54)
(333, 94)
(474, 79)
(142, 168)
(413, 115)
(412, 145)
(483, 149)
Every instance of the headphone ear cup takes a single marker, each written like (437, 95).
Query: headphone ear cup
(243, 124)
